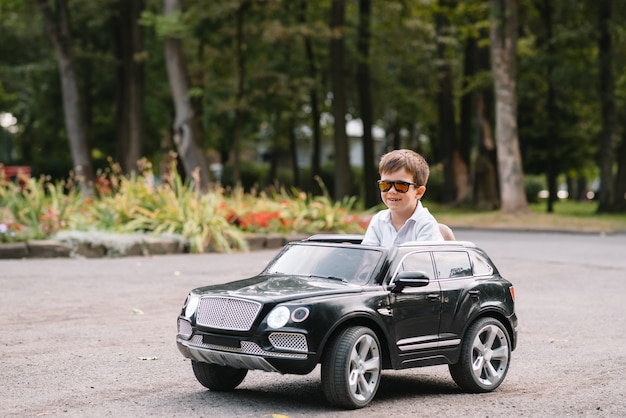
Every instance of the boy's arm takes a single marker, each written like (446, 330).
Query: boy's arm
(372, 235)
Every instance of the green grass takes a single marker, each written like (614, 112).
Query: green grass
(567, 215)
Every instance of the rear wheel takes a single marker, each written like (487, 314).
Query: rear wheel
(351, 368)
(485, 357)
(216, 377)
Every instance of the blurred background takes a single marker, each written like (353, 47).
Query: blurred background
(510, 101)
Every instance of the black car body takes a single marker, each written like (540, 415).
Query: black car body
(356, 310)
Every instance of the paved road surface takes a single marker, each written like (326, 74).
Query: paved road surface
(95, 337)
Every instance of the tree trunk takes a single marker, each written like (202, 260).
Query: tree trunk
(620, 181)
(365, 103)
(315, 109)
(503, 61)
(343, 180)
(58, 28)
(466, 123)
(293, 152)
(186, 129)
(552, 131)
(607, 96)
(239, 110)
(130, 108)
(485, 173)
(485, 193)
(445, 107)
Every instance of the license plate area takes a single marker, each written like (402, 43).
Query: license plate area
(222, 341)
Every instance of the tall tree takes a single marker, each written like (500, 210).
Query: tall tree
(128, 37)
(503, 36)
(241, 77)
(186, 128)
(445, 103)
(343, 175)
(57, 23)
(607, 96)
(365, 101)
(316, 155)
(620, 180)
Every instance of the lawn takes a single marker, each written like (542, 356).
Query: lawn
(567, 215)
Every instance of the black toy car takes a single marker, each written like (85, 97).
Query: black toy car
(356, 310)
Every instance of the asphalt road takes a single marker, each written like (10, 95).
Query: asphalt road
(96, 337)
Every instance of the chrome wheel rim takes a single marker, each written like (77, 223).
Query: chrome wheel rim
(490, 355)
(364, 368)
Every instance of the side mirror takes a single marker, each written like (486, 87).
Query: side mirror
(409, 279)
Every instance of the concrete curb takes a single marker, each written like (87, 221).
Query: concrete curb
(148, 246)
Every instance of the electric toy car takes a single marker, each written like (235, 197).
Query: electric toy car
(356, 310)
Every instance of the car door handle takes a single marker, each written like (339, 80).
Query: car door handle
(474, 292)
(433, 296)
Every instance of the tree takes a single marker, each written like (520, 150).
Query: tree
(128, 44)
(365, 101)
(503, 38)
(57, 23)
(343, 175)
(445, 105)
(607, 97)
(314, 102)
(186, 128)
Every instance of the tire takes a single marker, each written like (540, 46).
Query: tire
(216, 377)
(351, 368)
(485, 357)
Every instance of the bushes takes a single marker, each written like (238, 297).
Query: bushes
(218, 221)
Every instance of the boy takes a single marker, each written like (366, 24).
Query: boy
(403, 174)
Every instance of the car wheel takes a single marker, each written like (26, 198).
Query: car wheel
(351, 368)
(485, 356)
(216, 377)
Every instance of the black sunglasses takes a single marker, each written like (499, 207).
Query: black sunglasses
(400, 186)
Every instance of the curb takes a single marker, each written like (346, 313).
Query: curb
(148, 246)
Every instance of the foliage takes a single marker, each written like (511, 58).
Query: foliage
(215, 221)
(39, 207)
(279, 75)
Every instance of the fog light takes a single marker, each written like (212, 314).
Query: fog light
(184, 329)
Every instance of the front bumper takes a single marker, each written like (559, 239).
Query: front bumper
(198, 351)
(248, 355)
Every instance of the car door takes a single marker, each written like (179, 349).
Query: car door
(459, 294)
(416, 310)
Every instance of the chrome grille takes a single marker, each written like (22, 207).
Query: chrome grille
(227, 313)
(288, 341)
(247, 347)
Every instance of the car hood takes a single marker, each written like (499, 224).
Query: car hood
(280, 288)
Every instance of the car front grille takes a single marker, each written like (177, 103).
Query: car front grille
(227, 313)
(289, 341)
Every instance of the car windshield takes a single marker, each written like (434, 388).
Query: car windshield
(351, 264)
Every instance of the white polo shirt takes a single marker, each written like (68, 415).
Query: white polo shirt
(421, 226)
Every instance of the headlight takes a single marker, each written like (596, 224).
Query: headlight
(279, 317)
(191, 304)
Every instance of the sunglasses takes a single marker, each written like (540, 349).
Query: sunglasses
(400, 186)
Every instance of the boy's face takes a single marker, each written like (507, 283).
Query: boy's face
(401, 202)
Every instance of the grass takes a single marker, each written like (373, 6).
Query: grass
(567, 216)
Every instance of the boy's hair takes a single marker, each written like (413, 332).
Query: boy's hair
(410, 160)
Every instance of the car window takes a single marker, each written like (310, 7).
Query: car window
(452, 264)
(355, 264)
(418, 261)
(482, 267)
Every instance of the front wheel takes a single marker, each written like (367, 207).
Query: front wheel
(216, 377)
(485, 357)
(351, 368)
